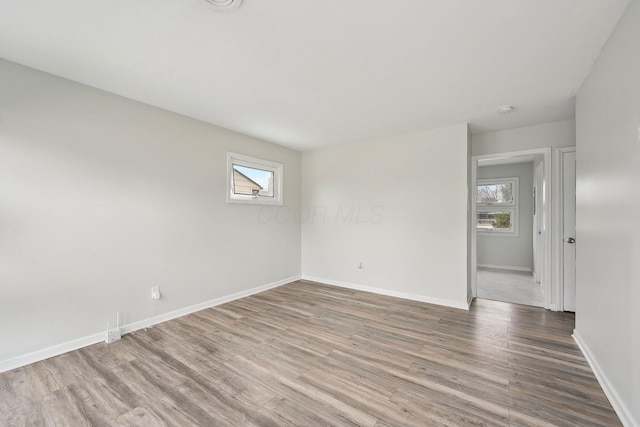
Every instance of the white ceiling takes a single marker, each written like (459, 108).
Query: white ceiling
(313, 73)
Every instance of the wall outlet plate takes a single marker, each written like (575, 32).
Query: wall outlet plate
(155, 292)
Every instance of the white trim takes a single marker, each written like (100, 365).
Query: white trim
(472, 227)
(547, 220)
(505, 267)
(387, 292)
(623, 412)
(55, 350)
(559, 224)
(538, 252)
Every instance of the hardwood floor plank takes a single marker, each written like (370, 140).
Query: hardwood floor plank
(465, 396)
(362, 401)
(295, 338)
(148, 394)
(140, 417)
(19, 402)
(193, 399)
(313, 354)
(362, 398)
(517, 346)
(434, 408)
(304, 411)
(555, 414)
(97, 402)
(109, 355)
(494, 389)
(251, 393)
(489, 368)
(265, 382)
(42, 379)
(589, 407)
(577, 374)
(65, 410)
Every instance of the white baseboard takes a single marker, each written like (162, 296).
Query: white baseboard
(207, 304)
(55, 350)
(387, 292)
(505, 267)
(624, 413)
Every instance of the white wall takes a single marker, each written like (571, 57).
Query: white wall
(510, 251)
(102, 198)
(554, 135)
(398, 206)
(608, 210)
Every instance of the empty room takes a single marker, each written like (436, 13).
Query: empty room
(305, 213)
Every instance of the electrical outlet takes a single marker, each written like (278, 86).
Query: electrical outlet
(155, 292)
(360, 267)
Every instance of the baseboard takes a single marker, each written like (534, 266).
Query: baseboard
(207, 304)
(505, 267)
(387, 292)
(45, 353)
(624, 413)
(58, 349)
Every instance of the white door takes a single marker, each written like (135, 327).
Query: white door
(569, 229)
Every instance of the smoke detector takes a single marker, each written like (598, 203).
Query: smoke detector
(506, 109)
(225, 5)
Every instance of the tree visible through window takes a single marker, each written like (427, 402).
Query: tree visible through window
(495, 193)
(502, 220)
(497, 206)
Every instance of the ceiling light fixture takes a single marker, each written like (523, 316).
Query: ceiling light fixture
(225, 5)
(506, 109)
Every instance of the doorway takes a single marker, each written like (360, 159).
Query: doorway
(511, 213)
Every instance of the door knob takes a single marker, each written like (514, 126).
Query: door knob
(571, 240)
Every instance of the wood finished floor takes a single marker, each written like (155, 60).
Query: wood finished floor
(307, 354)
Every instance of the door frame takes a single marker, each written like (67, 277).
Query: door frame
(538, 253)
(559, 220)
(547, 222)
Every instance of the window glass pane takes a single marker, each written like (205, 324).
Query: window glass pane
(252, 182)
(494, 220)
(495, 193)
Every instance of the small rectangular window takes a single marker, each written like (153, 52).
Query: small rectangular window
(254, 181)
(496, 193)
(495, 220)
(497, 206)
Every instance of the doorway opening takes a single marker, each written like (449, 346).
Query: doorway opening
(510, 229)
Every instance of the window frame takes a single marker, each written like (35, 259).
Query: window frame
(512, 208)
(255, 163)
